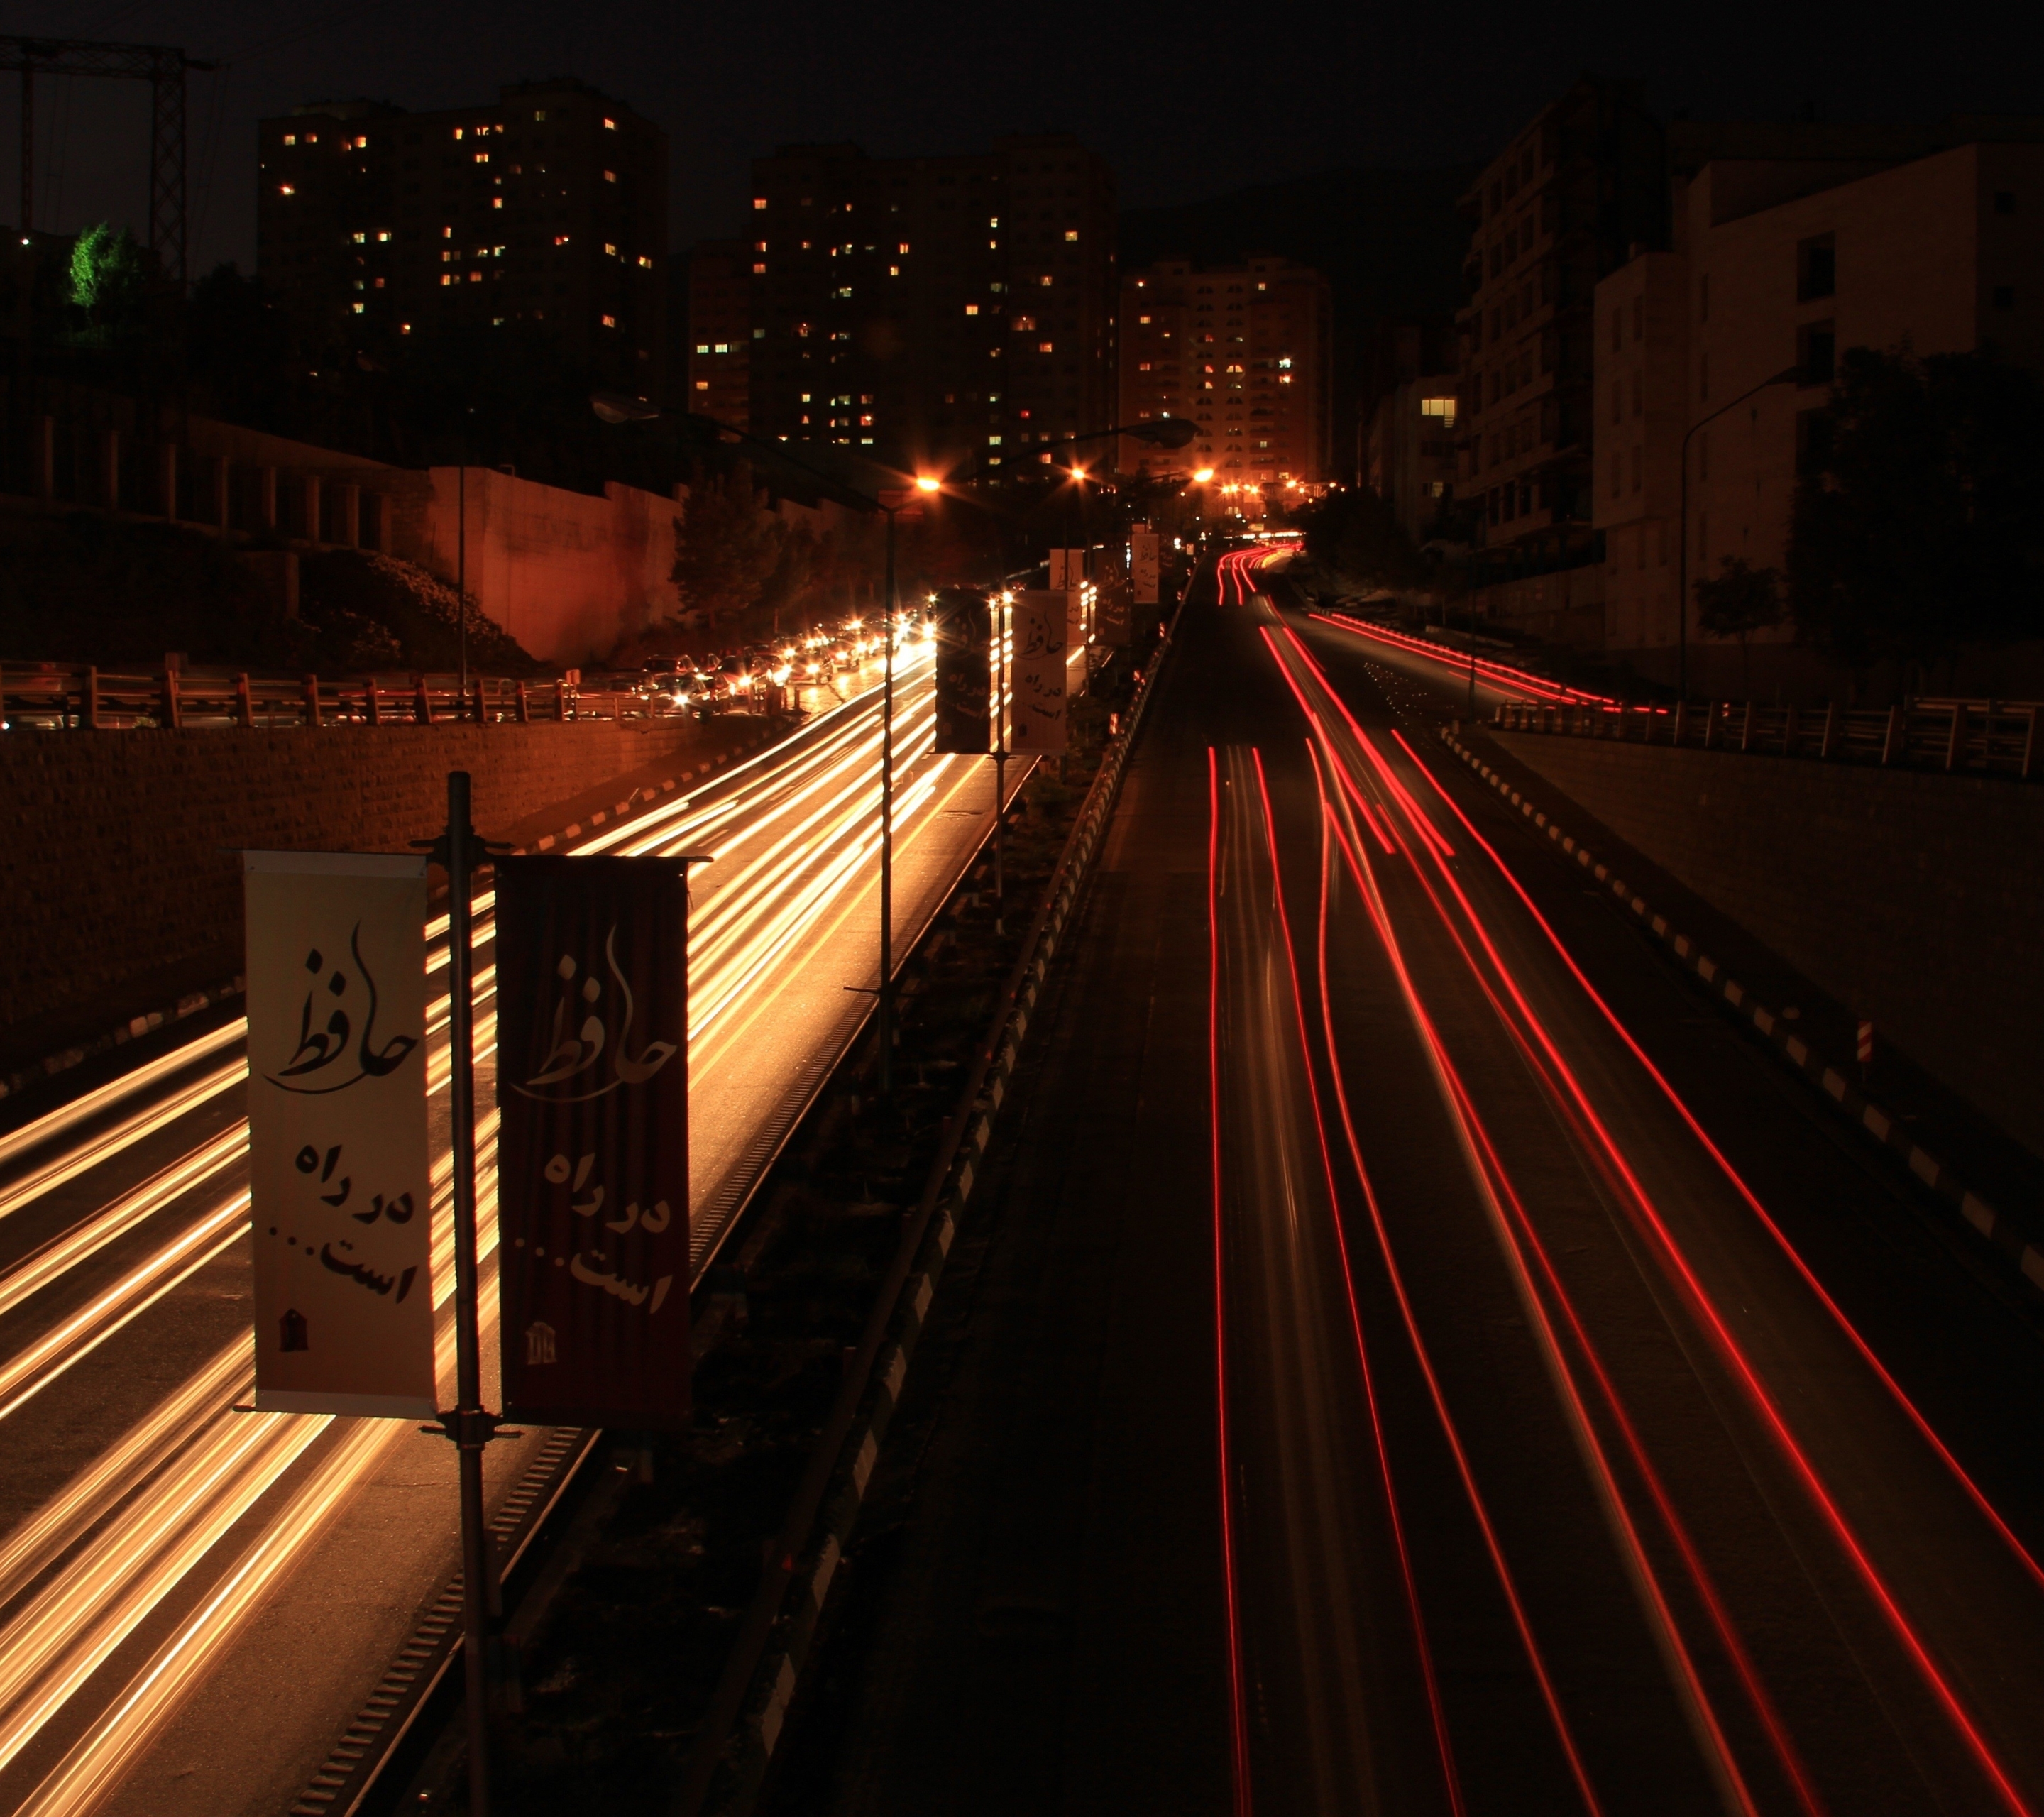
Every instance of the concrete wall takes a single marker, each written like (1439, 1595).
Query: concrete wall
(115, 862)
(1913, 898)
(568, 573)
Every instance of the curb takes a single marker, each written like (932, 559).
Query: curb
(749, 1752)
(132, 1030)
(2008, 1244)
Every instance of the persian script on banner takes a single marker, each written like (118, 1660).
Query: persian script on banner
(592, 1152)
(1036, 674)
(339, 1174)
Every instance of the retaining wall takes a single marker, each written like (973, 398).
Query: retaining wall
(1912, 898)
(117, 850)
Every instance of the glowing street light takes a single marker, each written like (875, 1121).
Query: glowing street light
(1203, 476)
(925, 483)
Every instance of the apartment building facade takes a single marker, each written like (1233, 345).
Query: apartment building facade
(1409, 459)
(936, 313)
(720, 343)
(1717, 354)
(547, 208)
(1558, 209)
(1246, 352)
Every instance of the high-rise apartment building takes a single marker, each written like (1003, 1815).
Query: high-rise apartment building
(933, 311)
(1247, 353)
(1560, 208)
(547, 208)
(720, 359)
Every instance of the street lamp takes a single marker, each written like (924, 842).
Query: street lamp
(1789, 375)
(889, 501)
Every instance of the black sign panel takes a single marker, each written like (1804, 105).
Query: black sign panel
(964, 632)
(593, 1154)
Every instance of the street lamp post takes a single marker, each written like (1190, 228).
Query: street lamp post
(1789, 375)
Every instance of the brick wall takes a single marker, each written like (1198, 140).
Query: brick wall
(1912, 898)
(118, 849)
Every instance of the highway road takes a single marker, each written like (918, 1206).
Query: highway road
(194, 1601)
(1579, 1421)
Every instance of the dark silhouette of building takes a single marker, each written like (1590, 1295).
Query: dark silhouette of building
(548, 208)
(1561, 207)
(719, 351)
(932, 311)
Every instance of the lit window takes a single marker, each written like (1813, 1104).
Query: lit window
(497, 201)
(383, 238)
(903, 246)
(760, 271)
(312, 138)
(447, 277)
(971, 309)
(893, 270)
(723, 347)
(362, 240)
(610, 125)
(610, 321)
(285, 189)
(1441, 407)
(290, 138)
(446, 234)
(360, 307)
(362, 142)
(1144, 320)
(993, 441)
(482, 157)
(1022, 324)
(1045, 280)
(702, 346)
(759, 201)
(1284, 365)
(866, 422)
(702, 384)
(610, 176)
(559, 239)
(475, 277)
(1046, 347)
(404, 328)
(609, 250)
(538, 113)
(993, 221)
(1071, 233)
(1143, 366)
(457, 132)
(993, 246)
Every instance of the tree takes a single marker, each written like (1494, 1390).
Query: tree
(1915, 528)
(726, 547)
(1354, 533)
(106, 284)
(1738, 600)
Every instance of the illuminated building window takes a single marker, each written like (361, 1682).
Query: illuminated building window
(702, 346)
(646, 261)
(759, 270)
(993, 221)
(610, 321)
(610, 176)
(290, 138)
(457, 132)
(1045, 280)
(702, 384)
(903, 247)
(360, 307)
(482, 157)
(1046, 347)
(993, 441)
(362, 240)
(447, 277)
(759, 201)
(610, 125)
(559, 239)
(609, 250)
(312, 138)
(285, 189)
(972, 309)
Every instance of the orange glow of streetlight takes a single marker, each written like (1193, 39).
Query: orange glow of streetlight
(1205, 474)
(925, 483)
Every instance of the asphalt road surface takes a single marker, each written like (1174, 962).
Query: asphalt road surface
(194, 1602)
(1415, 1354)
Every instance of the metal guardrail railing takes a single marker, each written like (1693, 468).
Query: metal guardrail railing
(53, 696)
(1996, 738)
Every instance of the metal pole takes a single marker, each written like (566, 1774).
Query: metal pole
(1682, 579)
(887, 825)
(28, 147)
(470, 1426)
(461, 563)
(1001, 614)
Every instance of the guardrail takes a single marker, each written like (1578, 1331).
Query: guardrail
(60, 698)
(1983, 737)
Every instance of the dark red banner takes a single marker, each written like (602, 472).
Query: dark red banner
(593, 1154)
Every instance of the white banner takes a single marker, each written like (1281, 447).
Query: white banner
(339, 1174)
(1142, 553)
(1036, 673)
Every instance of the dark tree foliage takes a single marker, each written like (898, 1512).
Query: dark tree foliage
(1916, 528)
(1356, 534)
(1737, 601)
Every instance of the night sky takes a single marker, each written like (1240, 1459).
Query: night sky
(1185, 100)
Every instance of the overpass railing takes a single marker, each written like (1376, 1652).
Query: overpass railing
(59, 697)
(1983, 737)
